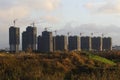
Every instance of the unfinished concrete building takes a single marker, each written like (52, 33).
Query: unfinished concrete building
(60, 43)
(29, 38)
(96, 44)
(14, 39)
(107, 43)
(45, 42)
(86, 43)
(74, 43)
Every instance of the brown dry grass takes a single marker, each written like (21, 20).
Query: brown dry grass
(54, 66)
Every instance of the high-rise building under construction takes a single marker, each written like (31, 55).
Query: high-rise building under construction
(29, 38)
(86, 43)
(96, 43)
(74, 43)
(45, 42)
(14, 39)
(60, 43)
(107, 43)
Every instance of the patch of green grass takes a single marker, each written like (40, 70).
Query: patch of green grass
(101, 59)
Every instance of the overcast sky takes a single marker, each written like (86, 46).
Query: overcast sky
(75, 16)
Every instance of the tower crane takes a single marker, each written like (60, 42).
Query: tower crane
(46, 28)
(33, 24)
(103, 34)
(68, 33)
(37, 23)
(14, 22)
(81, 34)
(55, 32)
(92, 34)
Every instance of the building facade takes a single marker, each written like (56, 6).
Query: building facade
(29, 38)
(14, 39)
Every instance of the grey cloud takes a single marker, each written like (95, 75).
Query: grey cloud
(109, 31)
(106, 6)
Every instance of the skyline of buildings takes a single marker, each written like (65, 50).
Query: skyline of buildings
(49, 43)
(65, 17)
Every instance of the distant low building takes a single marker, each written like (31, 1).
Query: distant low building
(116, 47)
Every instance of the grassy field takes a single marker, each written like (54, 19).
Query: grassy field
(58, 66)
(101, 59)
